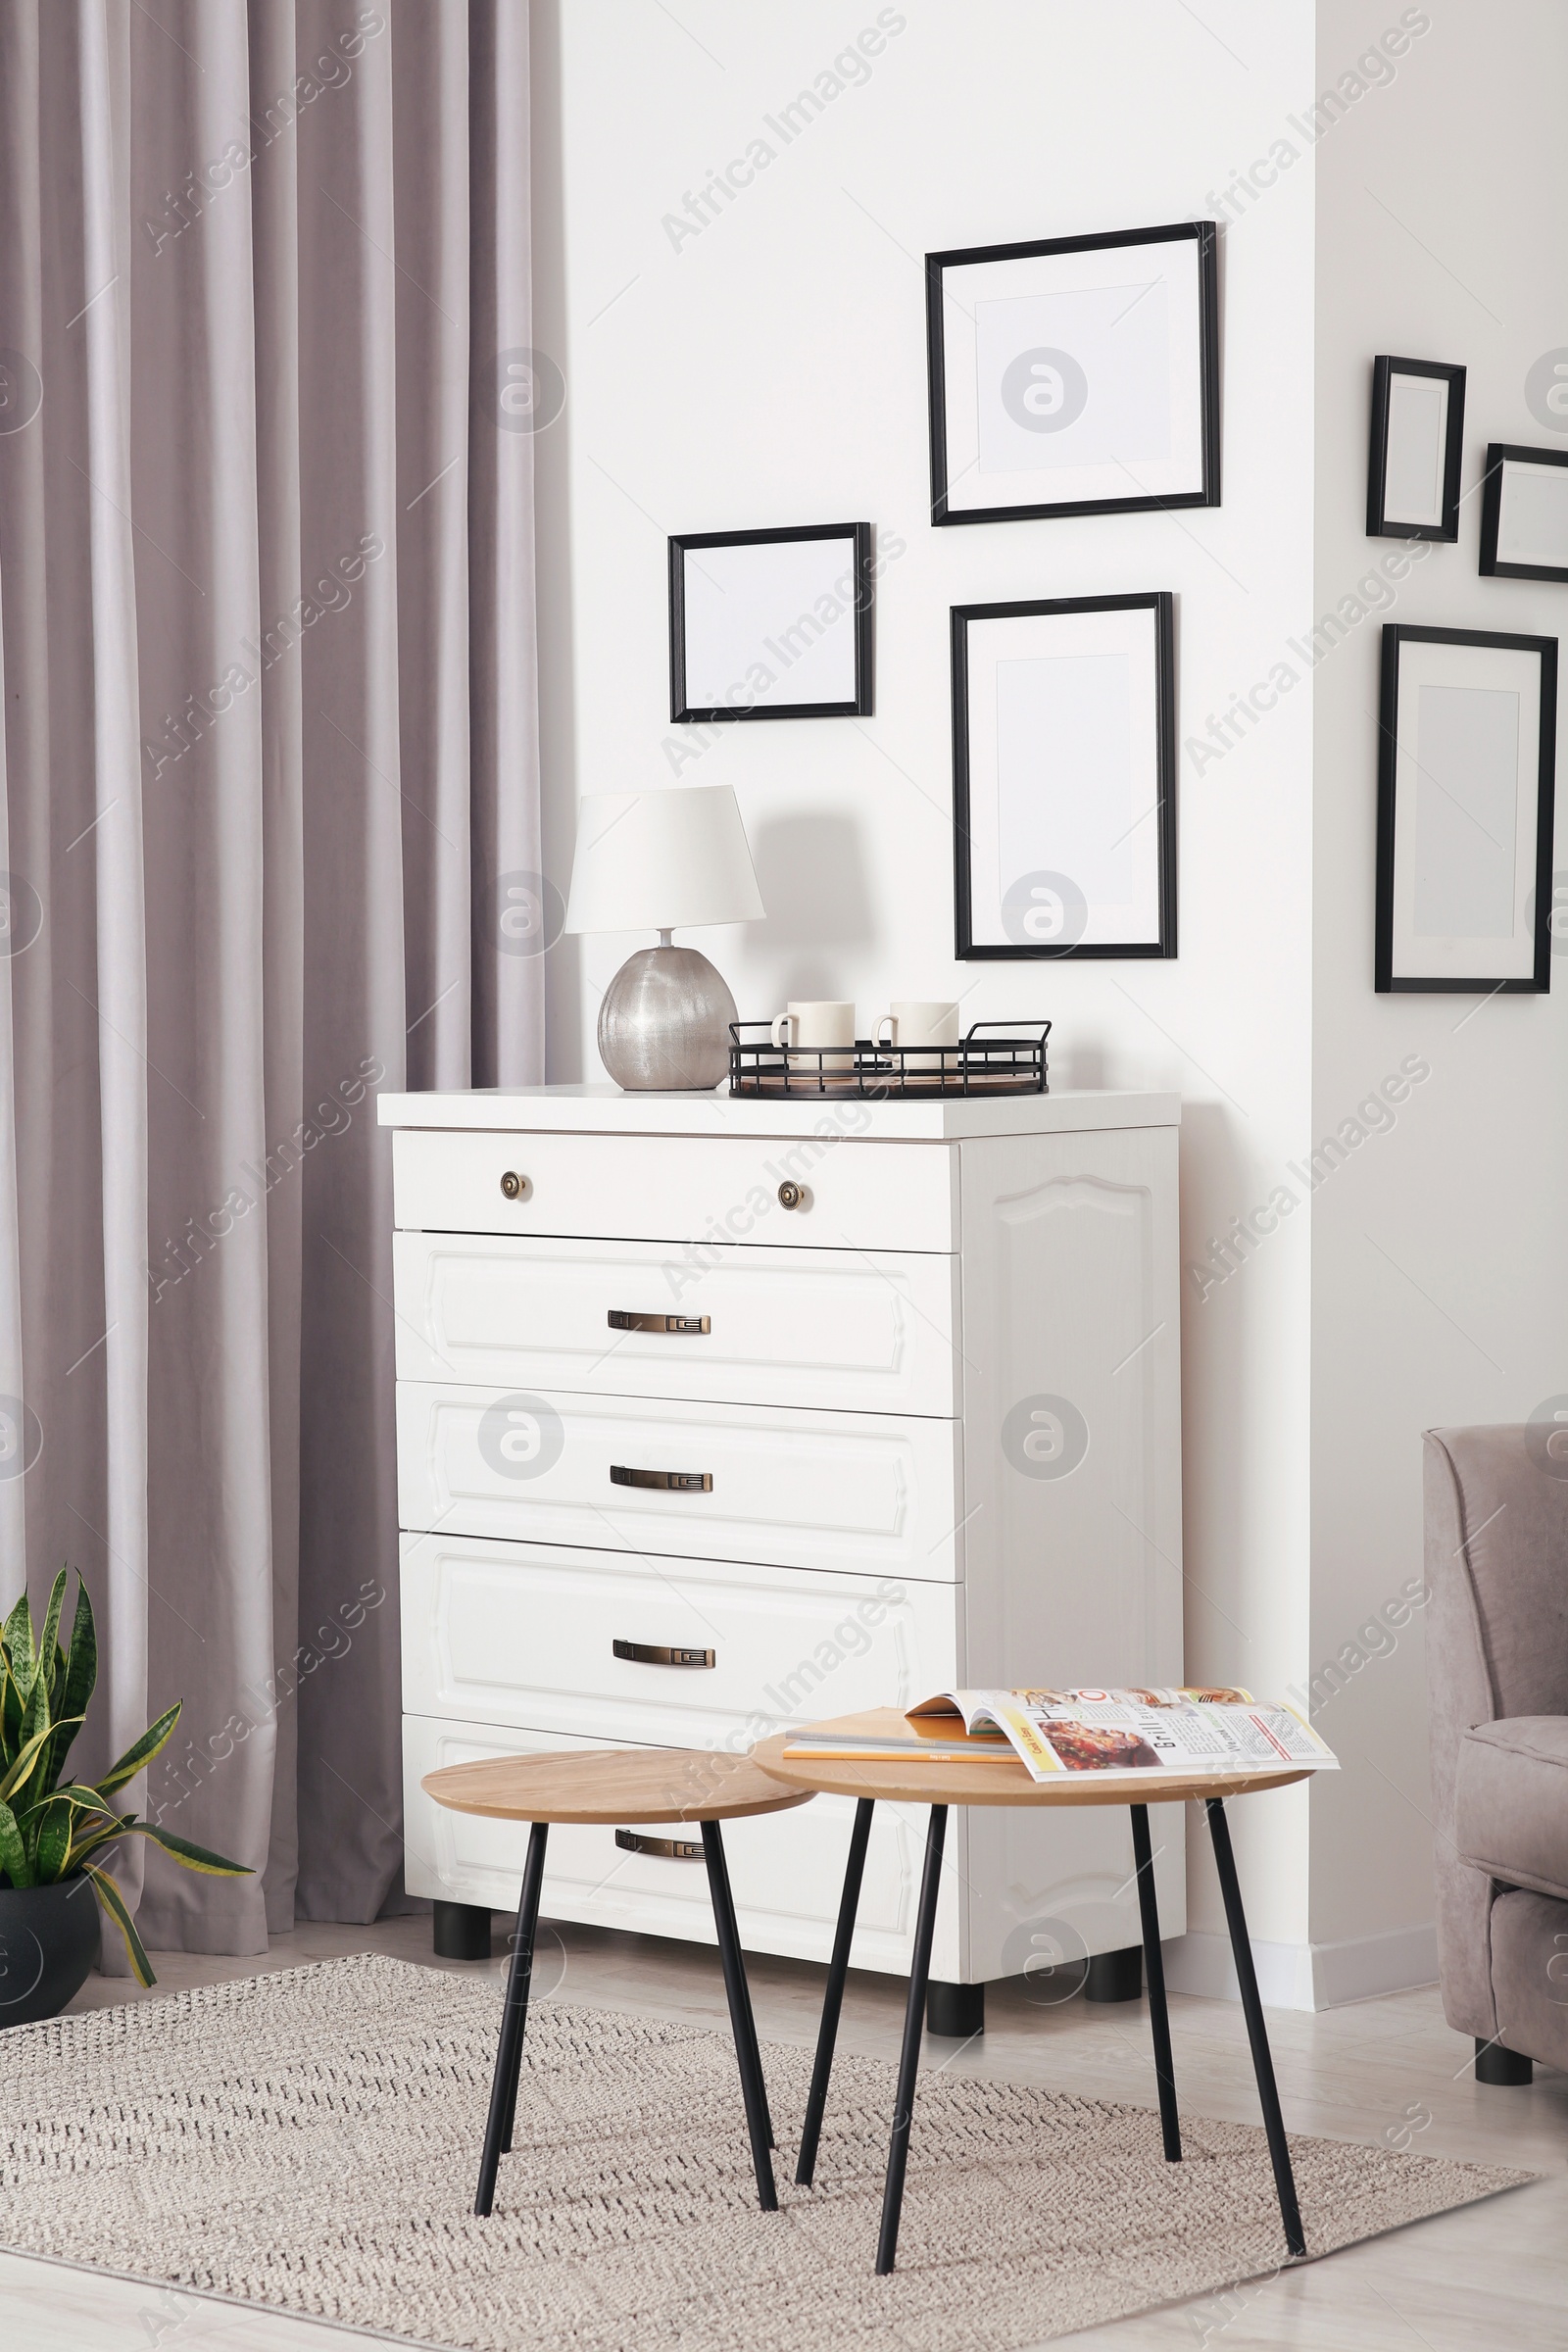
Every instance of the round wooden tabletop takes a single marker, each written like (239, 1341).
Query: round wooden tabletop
(613, 1786)
(985, 1782)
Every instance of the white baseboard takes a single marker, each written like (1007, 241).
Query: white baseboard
(1306, 1975)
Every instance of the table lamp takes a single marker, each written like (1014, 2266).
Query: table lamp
(664, 860)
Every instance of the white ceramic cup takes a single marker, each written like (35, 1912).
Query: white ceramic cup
(916, 1022)
(811, 1029)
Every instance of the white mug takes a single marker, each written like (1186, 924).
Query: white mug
(918, 1023)
(810, 1029)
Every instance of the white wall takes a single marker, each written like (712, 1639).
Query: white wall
(1440, 1251)
(772, 371)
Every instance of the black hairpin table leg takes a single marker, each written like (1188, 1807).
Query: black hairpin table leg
(1154, 1979)
(1256, 2031)
(913, 2025)
(742, 2026)
(514, 2018)
(833, 1996)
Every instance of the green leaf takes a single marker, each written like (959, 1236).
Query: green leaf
(137, 1758)
(11, 1706)
(20, 1770)
(100, 1831)
(12, 1853)
(75, 1798)
(191, 1857)
(49, 1638)
(114, 1902)
(53, 1843)
(18, 1642)
(77, 1688)
(81, 1659)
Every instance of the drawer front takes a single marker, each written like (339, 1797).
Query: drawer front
(861, 1332)
(863, 1492)
(494, 1633)
(693, 1191)
(786, 1869)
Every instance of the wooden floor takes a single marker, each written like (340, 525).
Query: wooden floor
(1490, 2279)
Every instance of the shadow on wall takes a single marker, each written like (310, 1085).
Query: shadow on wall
(811, 871)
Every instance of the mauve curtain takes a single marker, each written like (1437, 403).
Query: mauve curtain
(269, 753)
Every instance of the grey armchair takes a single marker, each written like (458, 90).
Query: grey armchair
(1496, 1570)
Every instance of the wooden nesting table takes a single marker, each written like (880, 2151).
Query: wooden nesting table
(1006, 1783)
(616, 1787)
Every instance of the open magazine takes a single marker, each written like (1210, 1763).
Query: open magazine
(1126, 1735)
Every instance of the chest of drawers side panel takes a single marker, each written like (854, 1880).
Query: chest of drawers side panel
(1072, 1481)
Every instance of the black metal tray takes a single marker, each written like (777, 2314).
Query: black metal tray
(1013, 1063)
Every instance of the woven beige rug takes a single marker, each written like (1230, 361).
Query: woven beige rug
(310, 2139)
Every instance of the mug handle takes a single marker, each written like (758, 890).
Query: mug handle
(782, 1020)
(884, 1021)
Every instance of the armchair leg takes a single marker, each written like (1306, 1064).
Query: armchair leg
(1505, 2068)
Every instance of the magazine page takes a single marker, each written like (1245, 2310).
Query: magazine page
(1136, 1731)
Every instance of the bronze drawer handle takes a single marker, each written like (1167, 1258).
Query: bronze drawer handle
(789, 1193)
(514, 1186)
(658, 1654)
(625, 1319)
(669, 1849)
(667, 1482)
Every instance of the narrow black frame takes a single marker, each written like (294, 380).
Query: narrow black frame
(1205, 233)
(1377, 526)
(1395, 635)
(683, 713)
(1163, 604)
(1499, 455)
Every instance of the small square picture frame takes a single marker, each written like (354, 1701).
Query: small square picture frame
(1065, 778)
(770, 623)
(1074, 375)
(1468, 765)
(1412, 483)
(1524, 513)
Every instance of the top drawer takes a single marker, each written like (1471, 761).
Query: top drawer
(683, 1189)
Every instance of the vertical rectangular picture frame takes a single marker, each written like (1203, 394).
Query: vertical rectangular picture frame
(1514, 545)
(1521, 837)
(1397, 430)
(1065, 912)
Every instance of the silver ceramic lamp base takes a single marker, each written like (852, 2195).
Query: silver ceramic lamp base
(664, 1025)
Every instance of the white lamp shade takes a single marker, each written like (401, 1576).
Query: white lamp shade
(664, 861)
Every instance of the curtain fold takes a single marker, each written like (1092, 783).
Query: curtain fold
(269, 751)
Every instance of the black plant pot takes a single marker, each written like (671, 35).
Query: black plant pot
(48, 1943)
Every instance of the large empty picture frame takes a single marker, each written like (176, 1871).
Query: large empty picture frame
(771, 624)
(1075, 376)
(1064, 763)
(1524, 513)
(1412, 488)
(1466, 776)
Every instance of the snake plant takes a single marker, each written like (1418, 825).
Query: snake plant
(51, 1829)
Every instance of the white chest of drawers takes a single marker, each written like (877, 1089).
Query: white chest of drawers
(682, 1463)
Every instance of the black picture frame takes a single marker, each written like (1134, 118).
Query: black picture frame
(1397, 635)
(1378, 524)
(857, 536)
(1500, 455)
(1205, 235)
(1163, 605)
